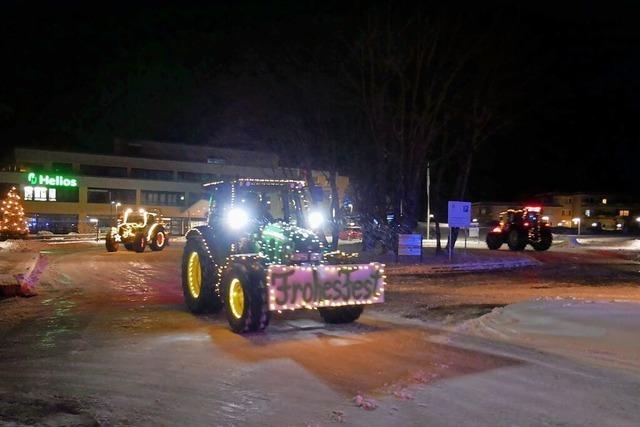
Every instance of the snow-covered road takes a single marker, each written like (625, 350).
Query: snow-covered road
(108, 339)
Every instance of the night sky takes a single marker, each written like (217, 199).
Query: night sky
(75, 78)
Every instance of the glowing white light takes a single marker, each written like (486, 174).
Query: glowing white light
(545, 218)
(315, 219)
(594, 224)
(237, 218)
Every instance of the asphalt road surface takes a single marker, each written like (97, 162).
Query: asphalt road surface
(108, 341)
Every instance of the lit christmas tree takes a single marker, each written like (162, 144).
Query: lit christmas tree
(13, 223)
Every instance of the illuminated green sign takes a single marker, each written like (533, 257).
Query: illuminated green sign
(50, 180)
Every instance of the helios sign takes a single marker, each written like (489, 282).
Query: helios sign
(40, 188)
(51, 181)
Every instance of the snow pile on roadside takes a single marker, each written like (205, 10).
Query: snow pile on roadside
(604, 332)
(19, 246)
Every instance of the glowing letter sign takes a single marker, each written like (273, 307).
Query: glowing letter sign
(51, 181)
(292, 287)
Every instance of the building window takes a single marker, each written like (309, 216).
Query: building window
(56, 223)
(624, 212)
(197, 177)
(62, 167)
(160, 175)
(106, 171)
(108, 195)
(50, 194)
(587, 212)
(604, 201)
(163, 198)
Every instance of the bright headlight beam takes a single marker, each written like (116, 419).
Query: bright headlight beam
(237, 218)
(315, 219)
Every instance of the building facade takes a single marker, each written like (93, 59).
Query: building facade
(593, 210)
(589, 210)
(68, 192)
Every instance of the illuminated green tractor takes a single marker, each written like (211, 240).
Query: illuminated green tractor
(261, 252)
(137, 231)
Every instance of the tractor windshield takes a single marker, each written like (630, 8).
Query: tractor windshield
(270, 203)
(135, 219)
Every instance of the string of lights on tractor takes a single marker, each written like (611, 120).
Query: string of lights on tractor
(137, 231)
(519, 228)
(261, 252)
(14, 224)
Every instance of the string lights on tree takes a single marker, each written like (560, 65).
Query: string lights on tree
(13, 223)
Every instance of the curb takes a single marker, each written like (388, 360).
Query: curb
(463, 268)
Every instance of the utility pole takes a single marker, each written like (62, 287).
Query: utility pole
(428, 199)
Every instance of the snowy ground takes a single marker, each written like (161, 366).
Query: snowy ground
(108, 340)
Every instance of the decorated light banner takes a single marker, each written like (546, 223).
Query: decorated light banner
(37, 190)
(293, 287)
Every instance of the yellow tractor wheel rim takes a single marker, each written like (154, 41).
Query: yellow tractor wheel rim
(194, 273)
(236, 298)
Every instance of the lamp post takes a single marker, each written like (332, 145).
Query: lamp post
(577, 221)
(95, 221)
(116, 204)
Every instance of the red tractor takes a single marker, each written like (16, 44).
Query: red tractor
(519, 228)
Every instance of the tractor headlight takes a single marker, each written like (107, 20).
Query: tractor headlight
(237, 218)
(316, 219)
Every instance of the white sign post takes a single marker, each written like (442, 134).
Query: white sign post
(459, 216)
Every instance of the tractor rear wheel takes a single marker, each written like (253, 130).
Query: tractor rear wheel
(546, 238)
(346, 314)
(110, 243)
(245, 298)
(158, 241)
(199, 278)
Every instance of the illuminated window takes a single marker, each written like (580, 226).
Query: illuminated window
(624, 212)
(604, 201)
(587, 212)
(40, 194)
(28, 193)
(52, 194)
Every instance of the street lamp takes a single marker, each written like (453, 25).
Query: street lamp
(577, 221)
(95, 221)
(116, 204)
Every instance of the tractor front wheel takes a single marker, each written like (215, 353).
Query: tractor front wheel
(494, 241)
(110, 243)
(245, 298)
(139, 242)
(346, 314)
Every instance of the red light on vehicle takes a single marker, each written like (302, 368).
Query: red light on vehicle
(497, 230)
(526, 224)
